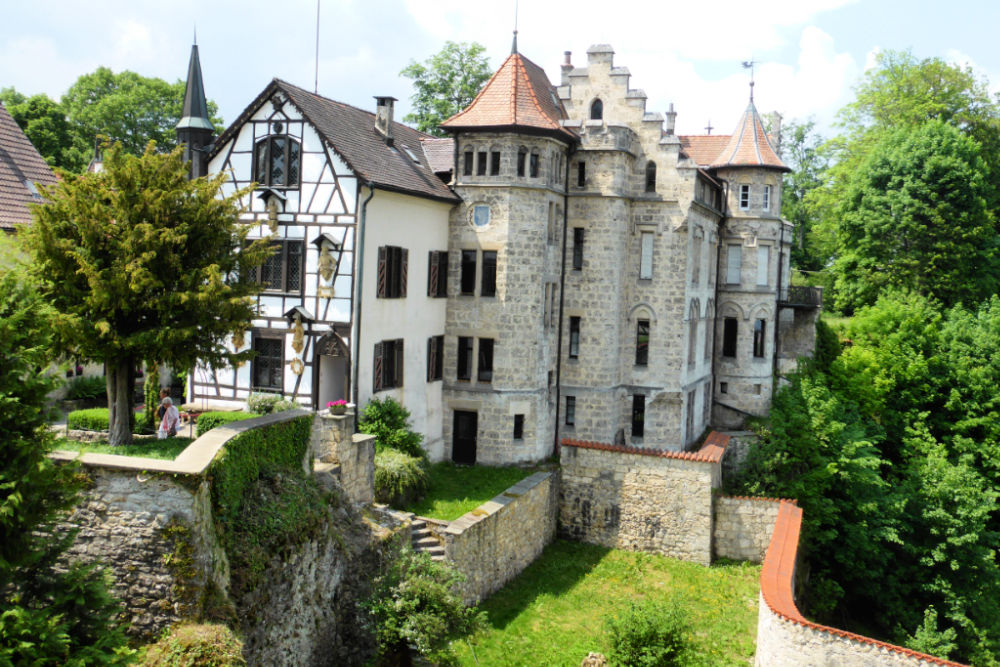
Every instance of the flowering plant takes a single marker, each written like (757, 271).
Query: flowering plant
(338, 403)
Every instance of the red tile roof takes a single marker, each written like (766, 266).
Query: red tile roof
(703, 148)
(749, 145)
(519, 95)
(712, 450)
(440, 153)
(20, 164)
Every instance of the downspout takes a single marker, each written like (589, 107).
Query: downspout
(718, 276)
(562, 297)
(359, 271)
(777, 301)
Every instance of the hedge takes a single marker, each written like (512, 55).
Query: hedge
(95, 419)
(240, 461)
(209, 420)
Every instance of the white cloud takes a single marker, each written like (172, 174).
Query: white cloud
(34, 64)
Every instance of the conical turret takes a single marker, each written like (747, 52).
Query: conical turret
(194, 129)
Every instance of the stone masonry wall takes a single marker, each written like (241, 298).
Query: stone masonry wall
(743, 527)
(493, 543)
(641, 500)
(352, 455)
(156, 536)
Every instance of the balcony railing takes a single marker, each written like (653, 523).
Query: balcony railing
(801, 296)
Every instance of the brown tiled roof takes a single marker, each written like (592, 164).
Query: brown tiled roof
(749, 145)
(351, 133)
(440, 154)
(20, 164)
(703, 148)
(518, 96)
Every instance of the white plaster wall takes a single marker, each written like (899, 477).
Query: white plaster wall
(420, 226)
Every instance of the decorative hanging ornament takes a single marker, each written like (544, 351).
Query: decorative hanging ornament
(297, 366)
(298, 335)
(326, 263)
(272, 214)
(238, 340)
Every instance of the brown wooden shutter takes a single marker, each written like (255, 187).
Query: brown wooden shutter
(377, 373)
(381, 274)
(432, 272)
(399, 362)
(431, 358)
(404, 255)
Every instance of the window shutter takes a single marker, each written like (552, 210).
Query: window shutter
(377, 373)
(404, 255)
(381, 274)
(399, 362)
(432, 272)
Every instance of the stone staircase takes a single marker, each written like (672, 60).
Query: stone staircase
(423, 540)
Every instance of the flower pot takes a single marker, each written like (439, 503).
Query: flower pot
(338, 409)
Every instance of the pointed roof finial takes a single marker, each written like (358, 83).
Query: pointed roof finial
(513, 46)
(748, 64)
(195, 42)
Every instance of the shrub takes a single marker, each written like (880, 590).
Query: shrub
(265, 404)
(389, 422)
(649, 634)
(94, 419)
(209, 420)
(400, 479)
(87, 388)
(190, 645)
(413, 603)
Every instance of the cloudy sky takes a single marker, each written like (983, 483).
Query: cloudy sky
(810, 52)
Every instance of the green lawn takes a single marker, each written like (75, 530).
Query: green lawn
(553, 614)
(151, 449)
(456, 490)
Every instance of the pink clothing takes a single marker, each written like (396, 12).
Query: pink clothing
(171, 418)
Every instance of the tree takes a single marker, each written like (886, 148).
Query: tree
(914, 214)
(51, 612)
(801, 152)
(45, 124)
(446, 83)
(144, 265)
(127, 108)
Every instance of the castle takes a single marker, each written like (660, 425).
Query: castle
(589, 273)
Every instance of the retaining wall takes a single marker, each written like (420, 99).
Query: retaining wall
(640, 499)
(352, 455)
(786, 639)
(493, 543)
(743, 527)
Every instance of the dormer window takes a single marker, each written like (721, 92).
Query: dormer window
(596, 110)
(276, 161)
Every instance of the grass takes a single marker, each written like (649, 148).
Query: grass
(151, 449)
(836, 322)
(455, 490)
(553, 613)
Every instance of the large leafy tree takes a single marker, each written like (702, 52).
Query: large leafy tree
(144, 265)
(45, 124)
(914, 215)
(51, 612)
(800, 149)
(446, 83)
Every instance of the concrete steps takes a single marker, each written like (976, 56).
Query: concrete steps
(423, 540)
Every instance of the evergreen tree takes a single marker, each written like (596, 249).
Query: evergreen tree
(141, 263)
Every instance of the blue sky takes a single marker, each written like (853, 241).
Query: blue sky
(810, 52)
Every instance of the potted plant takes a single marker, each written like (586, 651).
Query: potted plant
(338, 407)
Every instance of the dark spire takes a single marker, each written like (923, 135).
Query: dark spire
(195, 112)
(513, 46)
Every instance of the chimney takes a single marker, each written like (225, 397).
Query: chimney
(776, 131)
(566, 67)
(671, 120)
(383, 117)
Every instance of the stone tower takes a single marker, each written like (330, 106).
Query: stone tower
(194, 129)
(504, 258)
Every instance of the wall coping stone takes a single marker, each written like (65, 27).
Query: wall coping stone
(777, 580)
(497, 503)
(711, 451)
(761, 498)
(195, 458)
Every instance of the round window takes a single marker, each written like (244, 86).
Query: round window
(480, 215)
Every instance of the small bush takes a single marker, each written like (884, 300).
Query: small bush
(389, 422)
(649, 634)
(209, 420)
(400, 479)
(94, 419)
(265, 404)
(414, 604)
(192, 645)
(87, 388)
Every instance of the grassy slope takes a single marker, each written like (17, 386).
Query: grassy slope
(152, 449)
(456, 490)
(553, 614)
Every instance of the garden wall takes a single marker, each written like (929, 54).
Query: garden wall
(786, 639)
(641, 499)
(493, 543)
(350, 455)
(743, 527)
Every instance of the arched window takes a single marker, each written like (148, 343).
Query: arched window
(650, 176)
(597, 110)
(276, 161)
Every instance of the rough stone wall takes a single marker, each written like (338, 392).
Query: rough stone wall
(638, 502)
(784, 643)
(796, 336)
(743, 527)
(155, 534)
(493, 543)
(331, 441)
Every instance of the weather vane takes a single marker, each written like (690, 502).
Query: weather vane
(748, 64)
